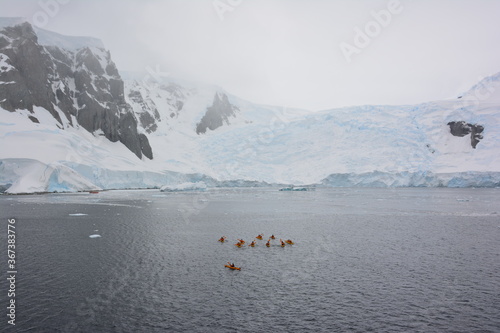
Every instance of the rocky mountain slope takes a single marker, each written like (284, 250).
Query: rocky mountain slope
(78, 87)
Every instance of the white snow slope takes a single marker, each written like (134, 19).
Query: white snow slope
(409, 145)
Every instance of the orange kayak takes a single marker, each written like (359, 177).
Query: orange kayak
(236, 268)
(289, 242)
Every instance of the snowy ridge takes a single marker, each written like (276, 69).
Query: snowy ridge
(50, 38)
(72, 43)
(11, 21)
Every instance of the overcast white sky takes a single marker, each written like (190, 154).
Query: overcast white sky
(288, 52)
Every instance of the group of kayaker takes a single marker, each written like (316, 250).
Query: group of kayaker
(241, 242)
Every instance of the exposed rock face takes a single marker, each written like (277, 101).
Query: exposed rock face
(148, 98)
(145, 147)
(217, 114)
(24, 82)
(461, 129)
(82, 86)
(149, 115)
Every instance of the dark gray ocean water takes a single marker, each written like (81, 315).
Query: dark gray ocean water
(364, 260)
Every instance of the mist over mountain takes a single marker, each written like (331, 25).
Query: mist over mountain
(72, 122)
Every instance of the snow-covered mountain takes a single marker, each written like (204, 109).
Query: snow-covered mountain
(79, 87)
(70, 121)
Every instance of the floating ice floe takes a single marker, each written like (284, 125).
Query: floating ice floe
(292, 188)
(198, 186)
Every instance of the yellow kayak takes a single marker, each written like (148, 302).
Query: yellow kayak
(232, 267)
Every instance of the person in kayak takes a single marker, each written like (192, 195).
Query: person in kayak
(230, 264)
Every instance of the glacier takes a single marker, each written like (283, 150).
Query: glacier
(253, 145)
(413, 179)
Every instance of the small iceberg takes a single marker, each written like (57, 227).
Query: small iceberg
(78, 214)
(293, 188)
(95, 236)
(184, 187)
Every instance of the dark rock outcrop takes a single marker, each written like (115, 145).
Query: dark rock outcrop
(145, 147)
(84, 84)
(27, 82)
(461, 129)
(149, 115)
(217, 114)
